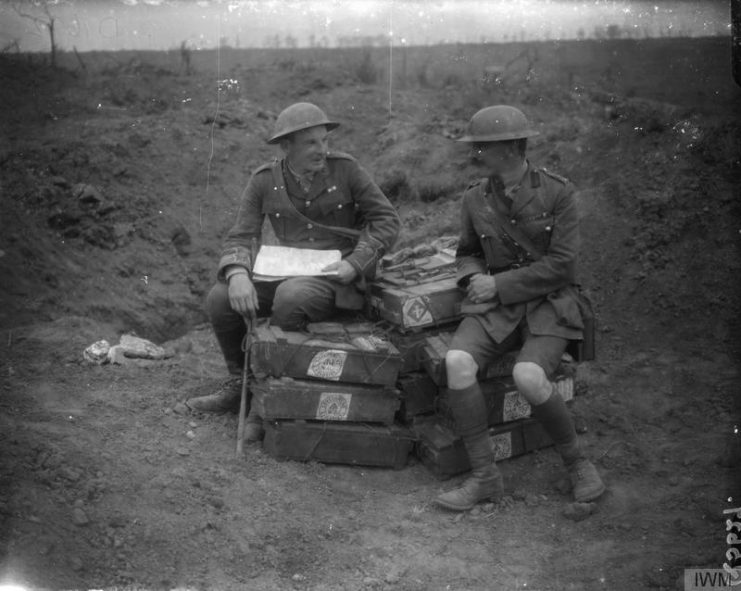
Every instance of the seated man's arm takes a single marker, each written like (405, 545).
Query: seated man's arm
(557, 267)
(244, 237)
(382, 223)
(469, 255)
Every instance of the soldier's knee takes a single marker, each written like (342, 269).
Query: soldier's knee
(460, 368)
(217, 302)
(288, 295)
(297, 301)
(529, 377)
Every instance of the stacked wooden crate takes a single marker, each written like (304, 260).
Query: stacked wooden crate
(372, 390)
(413, 301)
(421, 303)
(329, 394)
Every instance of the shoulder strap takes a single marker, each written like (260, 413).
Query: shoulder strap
(283, 196)
(519, 239)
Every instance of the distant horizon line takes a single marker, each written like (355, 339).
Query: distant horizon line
(398, 46)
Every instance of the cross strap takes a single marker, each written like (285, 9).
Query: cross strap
(519, 239)
(280, 187)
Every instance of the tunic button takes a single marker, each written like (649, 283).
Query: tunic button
(339, 206)
(308, 203)
(483, 236)
(309, 226)
(311, 239)
(548, 228)
(277, 215)
(513, 221)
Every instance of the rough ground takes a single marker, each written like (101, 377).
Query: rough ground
(116, 186)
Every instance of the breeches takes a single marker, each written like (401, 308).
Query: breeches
(544, 350)
(290, 304)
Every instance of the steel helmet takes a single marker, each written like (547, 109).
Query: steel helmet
(297, 117)
(498, 123)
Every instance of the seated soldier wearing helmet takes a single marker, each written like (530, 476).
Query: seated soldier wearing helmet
(327, 188)
(516, 260)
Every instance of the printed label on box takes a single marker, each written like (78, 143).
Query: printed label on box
(515, 407)
(416, 312)
(327, 365)
(565, 388)
(501, 445)
(333, 406)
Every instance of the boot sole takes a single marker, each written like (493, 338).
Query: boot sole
(591, 495)
(451, 507)
(458, 508)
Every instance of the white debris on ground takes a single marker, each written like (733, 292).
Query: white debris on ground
(129, 347)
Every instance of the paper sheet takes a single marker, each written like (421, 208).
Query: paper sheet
(278, 262)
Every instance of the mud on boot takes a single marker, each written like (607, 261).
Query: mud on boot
(225, 399)
(254, 432)
(586, 483)
(476, 489)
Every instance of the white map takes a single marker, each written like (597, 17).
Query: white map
(278, 262)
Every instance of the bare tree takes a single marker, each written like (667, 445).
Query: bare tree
(12, 45)
(43, 17)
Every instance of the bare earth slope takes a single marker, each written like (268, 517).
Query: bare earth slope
(116, 186)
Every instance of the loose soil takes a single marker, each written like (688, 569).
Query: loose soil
(118, 182)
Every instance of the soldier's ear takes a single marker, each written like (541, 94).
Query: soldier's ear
(286, 143)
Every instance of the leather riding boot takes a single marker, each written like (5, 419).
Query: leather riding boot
(557, 422)
(225, 399)
(485, 482)
(586, 483)
(253, 427)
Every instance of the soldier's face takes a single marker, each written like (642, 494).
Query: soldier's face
(495, 157)
(306, 150)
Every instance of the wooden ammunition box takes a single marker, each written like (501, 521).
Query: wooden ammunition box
(411, 343)
(339, 443)
(358, 358)
(503, 402)
(418, 395)
(287, 398)
(416, 306)
(443, 452)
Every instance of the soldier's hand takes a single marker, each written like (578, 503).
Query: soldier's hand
(345, 272)
(481, 288)
(243, 296)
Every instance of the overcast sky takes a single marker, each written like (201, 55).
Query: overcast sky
(163, 24)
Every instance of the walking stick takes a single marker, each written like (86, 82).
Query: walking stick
(248, 322)
(245, 374)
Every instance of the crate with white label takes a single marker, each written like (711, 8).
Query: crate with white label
(288, 398)
(417, 305)
(444, 454)
(347, 355)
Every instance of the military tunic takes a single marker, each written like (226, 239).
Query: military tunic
(342, 194)
(542, 291)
